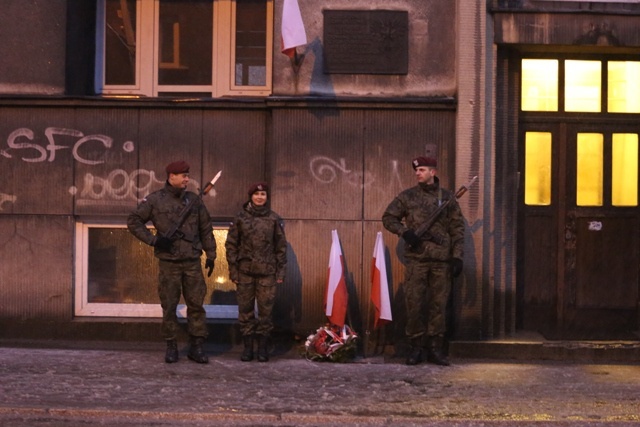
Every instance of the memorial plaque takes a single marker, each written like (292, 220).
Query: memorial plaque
(366, 42)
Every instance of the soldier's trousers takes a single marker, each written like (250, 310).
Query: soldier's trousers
(426, 286)
(252, 291)
(174, 279)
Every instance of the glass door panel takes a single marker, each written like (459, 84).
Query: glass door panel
(537, 167)
(590, 163)
(624, 169)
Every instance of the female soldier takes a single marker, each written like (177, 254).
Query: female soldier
(257, 255)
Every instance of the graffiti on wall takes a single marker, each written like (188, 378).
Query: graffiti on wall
(6, 198)
(327, 171)
(118, 186)
(121, 187)
(32, 152)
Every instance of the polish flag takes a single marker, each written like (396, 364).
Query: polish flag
(292, 30)
(336, 297)
(380, 284)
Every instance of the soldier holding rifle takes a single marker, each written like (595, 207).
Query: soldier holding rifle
(429, 220)
(184, 230)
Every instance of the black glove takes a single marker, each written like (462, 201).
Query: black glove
(208, 264)
(456, 266)
(163, 244)
(411, 238)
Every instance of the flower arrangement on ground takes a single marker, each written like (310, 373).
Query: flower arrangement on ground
(331, 343)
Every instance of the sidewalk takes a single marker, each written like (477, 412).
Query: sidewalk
(121, 384)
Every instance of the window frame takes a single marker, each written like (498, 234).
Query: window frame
(562, 58)
(147, 58)
(84, 308)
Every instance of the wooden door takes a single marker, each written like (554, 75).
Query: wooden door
(579, 240)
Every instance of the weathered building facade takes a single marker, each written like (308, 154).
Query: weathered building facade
(334, 133)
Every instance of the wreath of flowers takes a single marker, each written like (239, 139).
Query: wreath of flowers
(331, 343)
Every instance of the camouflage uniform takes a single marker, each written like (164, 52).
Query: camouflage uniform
(257, 255)
(427, 274)
(180, 269)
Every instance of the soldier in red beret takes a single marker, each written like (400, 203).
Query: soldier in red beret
(430, 259)
(178, 256)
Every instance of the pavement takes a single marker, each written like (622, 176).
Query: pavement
(128, 384)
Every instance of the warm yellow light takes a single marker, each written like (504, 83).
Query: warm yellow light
(537, 169)
(624, 169)
(582, 86)
(589, 169)
(539, 85)
(623, 87)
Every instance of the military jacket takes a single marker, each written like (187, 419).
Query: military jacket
(256, 243)
(162, 208)
(412, 207)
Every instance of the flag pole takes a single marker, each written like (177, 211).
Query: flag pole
(296, 60)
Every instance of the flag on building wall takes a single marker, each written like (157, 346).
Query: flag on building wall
(380, 284)
(292, 30)
(336, 296)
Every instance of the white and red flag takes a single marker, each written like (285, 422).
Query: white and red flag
(293, 33)
(336, 296)
(380, 284)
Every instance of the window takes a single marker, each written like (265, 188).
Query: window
(590, 165)
(624, 167)
(585, 82)
(624, 86)
(537, 167)
(540, 85)
(117, 276)
(582, 86)
(204, 48)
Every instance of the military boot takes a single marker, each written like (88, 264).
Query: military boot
(263, 352)
(435, 351)
(415, 351)
(196, 352)
(171, 356)
(247, 352)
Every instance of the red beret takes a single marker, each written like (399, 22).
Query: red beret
(258, 186)
(178, 167)
(424, 161)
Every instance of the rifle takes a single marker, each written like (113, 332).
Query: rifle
(423, 230)
(173, 231)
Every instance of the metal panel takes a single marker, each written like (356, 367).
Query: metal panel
(36, 258)
(300, 300)
(36, 166)
(165, 136)
(316, 163)
(566, 29)
(107, 179)
(392, 139)
(234, 142)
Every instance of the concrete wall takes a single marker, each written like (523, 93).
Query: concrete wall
(336, 148)
(331, 166)
(32, 46)
(432, 53)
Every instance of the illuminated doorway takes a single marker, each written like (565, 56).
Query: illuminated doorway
(578, 228)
